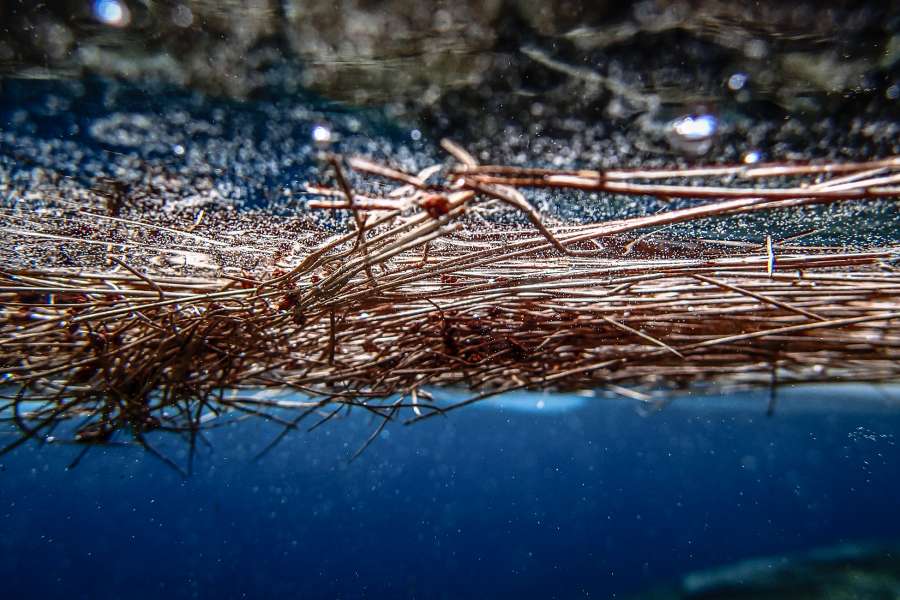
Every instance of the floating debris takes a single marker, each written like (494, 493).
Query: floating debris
(422, 292)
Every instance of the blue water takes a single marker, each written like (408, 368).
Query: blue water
(583, 499)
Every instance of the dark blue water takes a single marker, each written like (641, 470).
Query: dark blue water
(591, 501)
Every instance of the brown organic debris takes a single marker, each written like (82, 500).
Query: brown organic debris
(161, 327)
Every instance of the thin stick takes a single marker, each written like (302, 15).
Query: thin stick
(646, 336)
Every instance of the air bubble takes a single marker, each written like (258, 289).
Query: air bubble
(112, 12)
(182, 16)
(322, 135)
(737, 81)
(692, 134)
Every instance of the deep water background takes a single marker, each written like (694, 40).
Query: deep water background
(579, 498)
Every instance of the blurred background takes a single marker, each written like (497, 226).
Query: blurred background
(476, 68)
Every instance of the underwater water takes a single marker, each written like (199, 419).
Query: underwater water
(526, 496)
(204, 106)
(535, 496)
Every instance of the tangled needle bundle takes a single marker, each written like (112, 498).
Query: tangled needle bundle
(130, 324)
